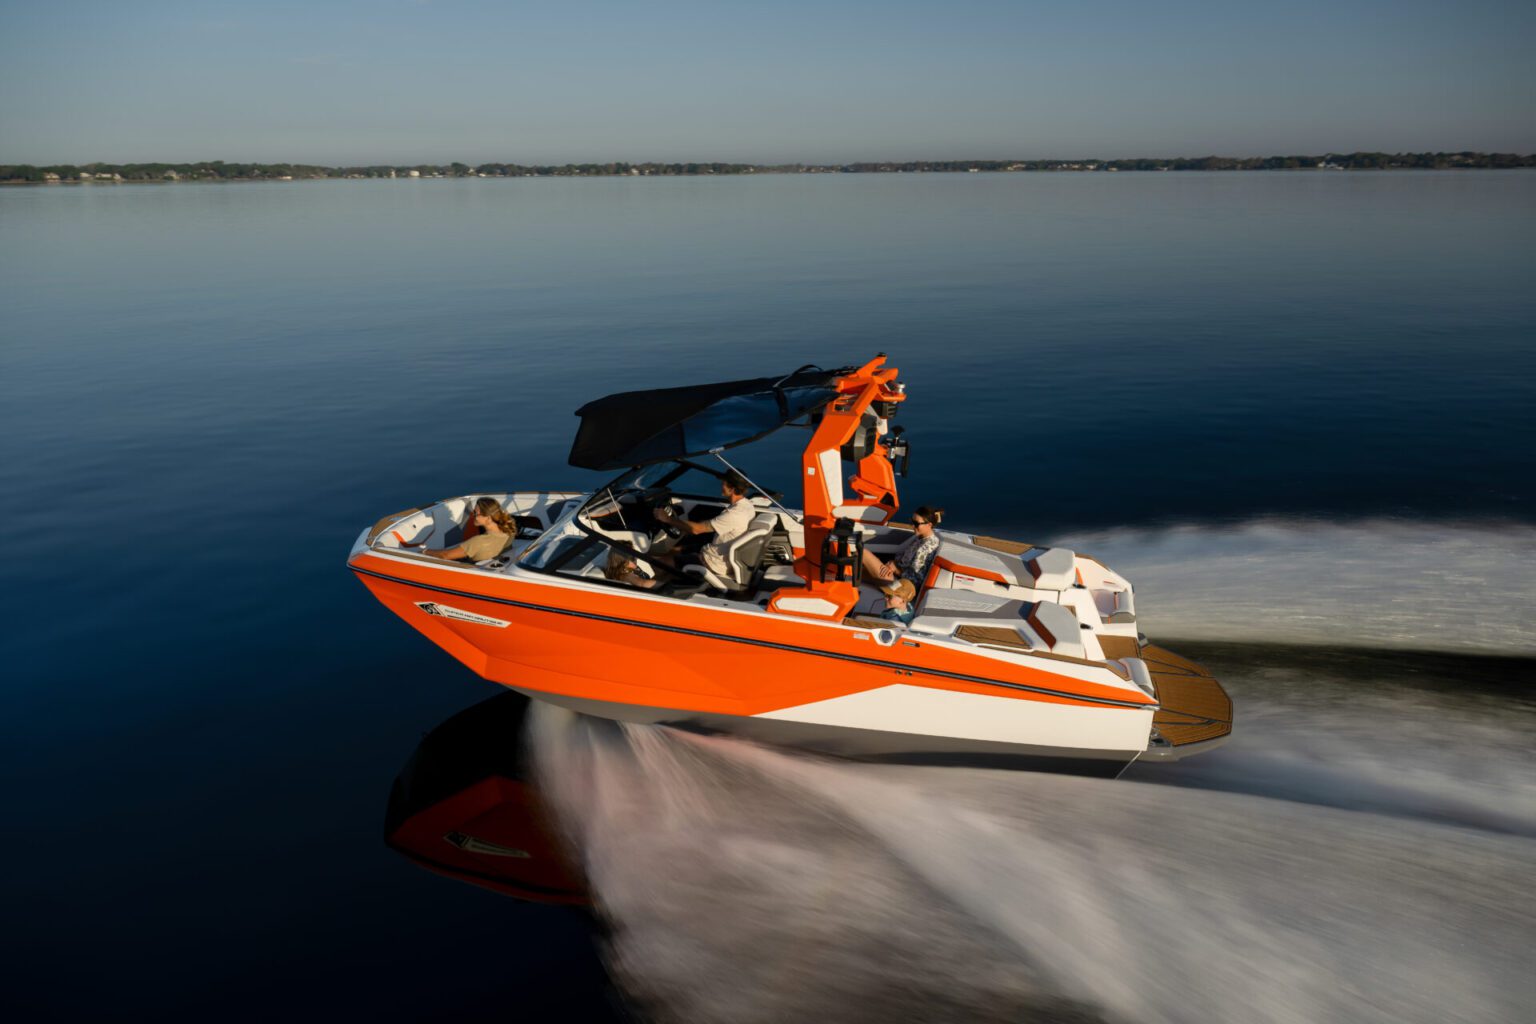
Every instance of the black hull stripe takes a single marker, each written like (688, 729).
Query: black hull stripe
(752, 641)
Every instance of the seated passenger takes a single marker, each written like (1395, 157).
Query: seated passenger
(622, 568)
(731, 523)
(915, 555)
(496, 533)
(898, 602)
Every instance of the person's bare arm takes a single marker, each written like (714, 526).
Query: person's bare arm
(453, 553)
(687, 524)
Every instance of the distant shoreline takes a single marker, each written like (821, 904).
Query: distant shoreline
(218, 170)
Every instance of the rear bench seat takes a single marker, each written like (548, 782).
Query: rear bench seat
(1036, 569)
(1037, 625)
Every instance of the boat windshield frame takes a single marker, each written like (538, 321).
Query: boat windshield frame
(552, 552)
(642, 478)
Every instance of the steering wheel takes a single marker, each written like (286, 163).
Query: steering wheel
(670, 528)
(655, 499)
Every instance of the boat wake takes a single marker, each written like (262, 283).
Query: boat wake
(1435, 738)
(1360, 851)
(1457, 587)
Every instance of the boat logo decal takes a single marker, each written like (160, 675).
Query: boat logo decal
(447, 612)
(470, 844)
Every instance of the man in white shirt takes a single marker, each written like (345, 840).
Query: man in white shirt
(731, 523)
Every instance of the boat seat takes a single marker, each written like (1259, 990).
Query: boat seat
(1118, 606)
(945, 609)
(874, 514)
(410, 533)
(1056, 627)
(1040, 625)
(1034, 569)
(1050, 568)
(967, 559)
(871, 602)
(527, 526)
(743, 557)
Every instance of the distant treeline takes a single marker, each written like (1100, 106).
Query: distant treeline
(218, 170)
(1328, 161)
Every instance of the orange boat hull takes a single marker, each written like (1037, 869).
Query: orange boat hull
(634, 657)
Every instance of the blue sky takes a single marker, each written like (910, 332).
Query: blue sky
(405, 81)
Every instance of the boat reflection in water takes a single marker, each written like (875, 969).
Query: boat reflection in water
(465, 806)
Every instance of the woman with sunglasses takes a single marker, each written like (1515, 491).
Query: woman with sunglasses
(915, 555)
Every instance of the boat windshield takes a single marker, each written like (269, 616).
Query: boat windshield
(622, 512)
(562, 536)
(565, 538)
(646, 485)
(635, 481)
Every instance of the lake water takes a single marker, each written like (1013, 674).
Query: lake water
(1295, 408)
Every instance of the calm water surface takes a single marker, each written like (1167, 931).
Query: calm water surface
(205, 391)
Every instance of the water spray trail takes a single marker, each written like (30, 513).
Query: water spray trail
(1372, 583)
(750, 884)
(1382, 732)
(1361, 851)
(1167, 905)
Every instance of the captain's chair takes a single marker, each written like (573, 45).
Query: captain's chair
(743, 557)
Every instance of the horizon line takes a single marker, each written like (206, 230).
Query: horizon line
(789, 163)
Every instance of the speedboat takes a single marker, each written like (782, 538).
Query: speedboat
(1018, 654)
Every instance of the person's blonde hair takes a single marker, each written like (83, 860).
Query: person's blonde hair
(492, 510)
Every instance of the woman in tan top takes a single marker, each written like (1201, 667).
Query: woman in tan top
(496, 533)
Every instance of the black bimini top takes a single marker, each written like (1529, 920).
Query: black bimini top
(634, 428)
